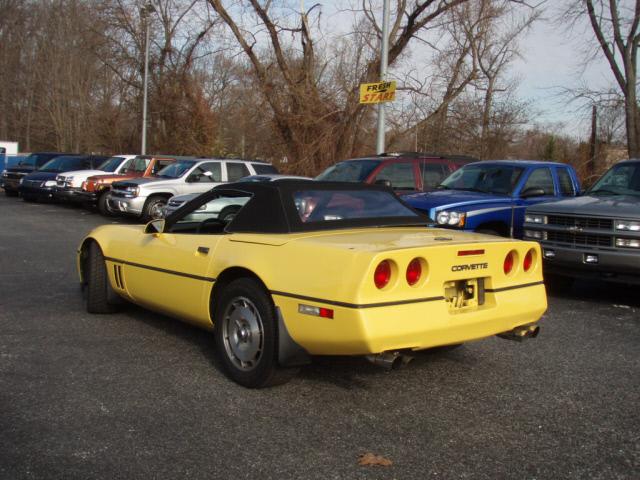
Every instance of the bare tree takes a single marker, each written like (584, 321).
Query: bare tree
(315, 128)
(616, 28)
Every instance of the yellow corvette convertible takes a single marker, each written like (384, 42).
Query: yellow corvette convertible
(311, 268)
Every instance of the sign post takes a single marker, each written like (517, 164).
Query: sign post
(384, 60)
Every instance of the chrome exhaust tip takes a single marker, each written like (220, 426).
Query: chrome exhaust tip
(521, 333)
(389, 360)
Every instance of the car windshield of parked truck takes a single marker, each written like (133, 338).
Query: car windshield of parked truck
(63, 164)
(330, 205)
(29, 161)
(349, 171)
(176, 169)
(110, 164)
(622, 179)
(491, 178)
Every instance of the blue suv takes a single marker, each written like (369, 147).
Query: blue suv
(491, 196)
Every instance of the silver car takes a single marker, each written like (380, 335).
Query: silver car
(224, 209)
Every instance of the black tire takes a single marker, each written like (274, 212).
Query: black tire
(102, 205)
(10, 193)
(246, 333)
(228, 213)
(558, 283)
(99, 295)
(153, 208)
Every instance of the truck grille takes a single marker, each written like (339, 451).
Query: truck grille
(596, 223)
(580, 239)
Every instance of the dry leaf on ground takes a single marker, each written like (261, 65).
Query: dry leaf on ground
(369, 459)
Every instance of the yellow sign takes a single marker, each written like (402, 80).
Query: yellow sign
(378, 92)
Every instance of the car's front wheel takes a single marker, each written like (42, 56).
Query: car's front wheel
(246, 335)
(154, 209)
(99, 294)
(103, 208)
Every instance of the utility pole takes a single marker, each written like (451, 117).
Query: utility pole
(384, 60)
(145, 12)
(593, 143)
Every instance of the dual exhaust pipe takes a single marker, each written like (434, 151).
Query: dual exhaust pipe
(394, 360)
(521, 333)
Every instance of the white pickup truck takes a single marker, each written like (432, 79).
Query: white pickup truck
(146, 198)
(69, 184)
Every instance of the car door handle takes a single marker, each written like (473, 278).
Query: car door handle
(203, 250)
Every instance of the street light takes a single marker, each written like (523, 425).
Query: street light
(145, 11)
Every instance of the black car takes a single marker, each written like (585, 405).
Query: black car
(40, 184)
(12, 175)
(593, 236)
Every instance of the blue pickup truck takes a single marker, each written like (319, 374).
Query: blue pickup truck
(491, 196)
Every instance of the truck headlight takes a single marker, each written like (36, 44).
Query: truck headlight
(49, 183)
(4, 173)
(452, 219)
(628, 242)
(628, 225)
(21, 180)
(531, 218)
(133, 191)
(535, 234)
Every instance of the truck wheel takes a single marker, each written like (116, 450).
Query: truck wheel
(99, 295)
(102, 205)
(246, 336)
(154, 209)
(10, 193)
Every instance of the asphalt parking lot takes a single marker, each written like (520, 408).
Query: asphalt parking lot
(139, 395)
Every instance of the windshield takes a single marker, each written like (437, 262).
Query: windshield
(349, 171)
(622, 179)
(62, 164)
(329, 205)
(29, 161)
(110, 164)
(490, 178)
(176, 169)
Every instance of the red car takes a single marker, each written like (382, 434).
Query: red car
(405, 172)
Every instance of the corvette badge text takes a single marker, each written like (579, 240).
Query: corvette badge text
(470, 266)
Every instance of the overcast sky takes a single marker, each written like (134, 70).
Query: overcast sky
(551, 58)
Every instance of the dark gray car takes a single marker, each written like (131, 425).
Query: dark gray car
(596, 235)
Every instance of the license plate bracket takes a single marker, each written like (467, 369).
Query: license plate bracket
(464, 294)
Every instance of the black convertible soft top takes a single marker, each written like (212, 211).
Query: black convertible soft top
(272, 208)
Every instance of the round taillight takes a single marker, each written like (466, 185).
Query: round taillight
(414, 271)
(528, 261)
(382, 275)
(509, 260)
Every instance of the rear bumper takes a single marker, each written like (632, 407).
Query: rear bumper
(616, 266)
(12, 184)
(414, 326)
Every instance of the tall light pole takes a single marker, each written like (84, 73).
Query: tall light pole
(145, 11)
(384, 60)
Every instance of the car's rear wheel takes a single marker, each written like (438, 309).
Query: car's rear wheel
(99, 295)
(246, 335)
(154, 209)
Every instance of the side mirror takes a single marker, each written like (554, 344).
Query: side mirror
(192, 178)
(384, 182)
(533, 192)
(155, 227)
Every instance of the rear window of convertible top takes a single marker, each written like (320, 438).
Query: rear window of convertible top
(329, 205)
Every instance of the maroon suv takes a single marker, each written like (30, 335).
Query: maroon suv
(405, 172)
